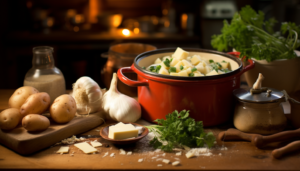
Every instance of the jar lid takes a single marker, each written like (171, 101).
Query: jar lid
(263, 97)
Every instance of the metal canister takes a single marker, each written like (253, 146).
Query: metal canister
(259, 113)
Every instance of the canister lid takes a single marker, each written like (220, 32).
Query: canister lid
(263, 97)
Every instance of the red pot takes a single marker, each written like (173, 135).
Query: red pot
(209, 98)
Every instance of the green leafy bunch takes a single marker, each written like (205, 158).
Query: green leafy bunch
(253, 37)
(178, 130)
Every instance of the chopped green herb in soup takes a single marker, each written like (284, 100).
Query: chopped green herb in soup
(182, 64)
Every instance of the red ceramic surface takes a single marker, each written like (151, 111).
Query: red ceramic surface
(209, 99)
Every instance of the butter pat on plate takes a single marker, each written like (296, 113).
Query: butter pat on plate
(122, 131)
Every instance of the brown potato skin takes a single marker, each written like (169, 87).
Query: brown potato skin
(63, 109)
(10, 118)
(36, 103)
(35, 122)
(18, 98)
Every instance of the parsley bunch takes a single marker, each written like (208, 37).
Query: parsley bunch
(254, 37)
(179, 130)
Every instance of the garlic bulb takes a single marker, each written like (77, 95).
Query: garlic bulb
(87, 95)
(118, 106)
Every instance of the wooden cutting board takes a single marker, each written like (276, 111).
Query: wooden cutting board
(26, 143)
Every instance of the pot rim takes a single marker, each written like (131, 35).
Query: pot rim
(164, 50)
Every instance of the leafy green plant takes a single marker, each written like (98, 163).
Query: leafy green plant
(254, 37)
(179, 130)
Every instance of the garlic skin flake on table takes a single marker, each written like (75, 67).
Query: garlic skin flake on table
(118, 106)
(87, 95)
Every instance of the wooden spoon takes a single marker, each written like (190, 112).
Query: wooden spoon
(293, 146)
(259, 141)
(235, 135)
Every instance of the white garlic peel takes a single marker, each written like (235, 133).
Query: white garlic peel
(87, 95)
(257, 84)
(118, 106)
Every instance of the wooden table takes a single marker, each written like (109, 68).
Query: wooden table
(238, 156)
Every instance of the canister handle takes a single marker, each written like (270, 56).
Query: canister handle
(128, 81)
(245, 68)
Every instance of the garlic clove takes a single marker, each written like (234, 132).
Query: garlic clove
(118, 106)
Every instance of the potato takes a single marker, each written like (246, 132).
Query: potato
(180, 63)
(10, 118)
(35, 122)
(19, 97)
(163, 71)
(36, 103)
(174, 62)
(157, 61)
(63, 109)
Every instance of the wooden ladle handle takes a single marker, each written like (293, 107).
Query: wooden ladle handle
(293, 146)
(235, 135)
(259, 141)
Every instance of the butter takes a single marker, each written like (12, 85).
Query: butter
(190, 154)
(63, 150)
(85, 147)
(96, 144)
(122, 131)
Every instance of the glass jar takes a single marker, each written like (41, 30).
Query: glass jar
(259, 113)
(43, 75)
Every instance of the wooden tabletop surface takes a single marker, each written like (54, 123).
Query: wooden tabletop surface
(237, 155)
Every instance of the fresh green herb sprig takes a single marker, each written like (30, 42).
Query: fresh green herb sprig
(167, 62)
(216, 66)
(181, 67)
(155, 68)
(178, 130)
(193, 70)
(152, 68)
(225, 70)
(172, 69)
(255, 38)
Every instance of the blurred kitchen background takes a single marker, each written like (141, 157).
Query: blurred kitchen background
(81, 30)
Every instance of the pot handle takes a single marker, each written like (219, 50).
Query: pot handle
(128, 81)
(246, 68)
